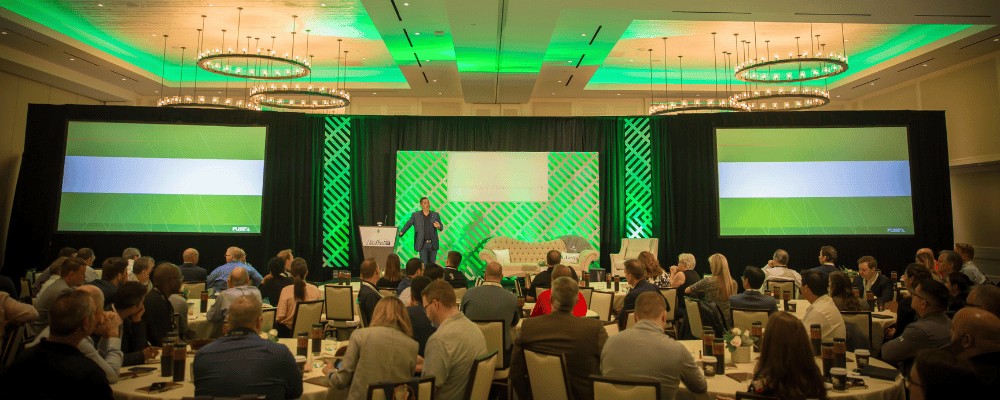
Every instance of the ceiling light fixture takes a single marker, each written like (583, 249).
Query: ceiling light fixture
(798, 67)
(668, 107)
(303, 99)
(263, 65)
(783, 98)
(194, 100)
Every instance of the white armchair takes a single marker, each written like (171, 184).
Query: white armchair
(630, 250)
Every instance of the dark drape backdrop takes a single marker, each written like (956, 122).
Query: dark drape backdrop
(684, 172)
(290, 205)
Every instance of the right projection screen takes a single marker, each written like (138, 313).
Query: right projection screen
(814, 181)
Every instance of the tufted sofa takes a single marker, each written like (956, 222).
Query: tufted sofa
(525, 256)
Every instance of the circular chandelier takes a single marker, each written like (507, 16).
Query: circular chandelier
(253, 65)
(683, 107)
(793, 99)
(203, 102)
(790, 69)
(325, 98)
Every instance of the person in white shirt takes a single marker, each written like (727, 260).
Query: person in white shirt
(969, 268)
(777, 270)
(822, 310)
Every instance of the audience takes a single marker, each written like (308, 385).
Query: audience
(158, 317)
(114, 272)
(654, 273)
(938, 374)
(579, 340)
(237, 285)
(454, 346)
(931, 331)
(751, 298)
(275, 282)
(635, 274)
(948, 262)
(7, 286)
(292, 295)
(543, 305)
(843, 294)
(682, 276)
(422, 326)
(414, 268)
(131, 254)
(242, 362)
(87, 255)
(393, 275)
(368, 360)
(491, 302)
(786, 368)
(544, 279)
(645, 352)
(287, 256)
(869, 279)
(190, 271)
(969, 268)
(452, 274)
(55, 368)
(975, 336)
(46, 277)
(142, 269)
(958, 285)
(914, 275)
(107, 353)
(235, 258)
(71, 275)
(129, 304)
(14, 312)
(827, 258)
(777, 270)
(986, 297)
(433, 272)
(718, 287)
(368, 296)
(822, 310)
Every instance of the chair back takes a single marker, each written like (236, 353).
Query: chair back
(619, 389)
(267, 319)
(744, 318)
(518, 288)
(548, 375)
(751, 396)
(387, 292)
(630, 319)
(784, 287)
(670, 294)
(459, 293)
(538, 291)
(863, 319)
(307, 314)
(339, 302)
(587, 293)
(194, 288)
(495, 332)
(425, 388)
(25, 289)
(602, 303)
(13, 342)
(481, 377)
(693, 316)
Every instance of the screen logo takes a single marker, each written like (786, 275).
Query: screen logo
(896, 230)
(241, 229)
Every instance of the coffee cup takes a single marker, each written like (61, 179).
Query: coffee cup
(839, 378)
(708, 364)
(301, 362)
(863, 357)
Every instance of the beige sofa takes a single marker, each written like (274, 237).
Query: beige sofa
(525, 256)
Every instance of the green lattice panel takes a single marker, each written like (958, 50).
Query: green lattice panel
(638, 179)
(573, 207)
(336, 191)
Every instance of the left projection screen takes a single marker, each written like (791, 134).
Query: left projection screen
(134, 177)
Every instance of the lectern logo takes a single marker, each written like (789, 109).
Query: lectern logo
(378, 242)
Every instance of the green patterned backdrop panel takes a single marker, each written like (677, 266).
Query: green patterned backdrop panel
(638, 179)
(573, 207)
(336, 191)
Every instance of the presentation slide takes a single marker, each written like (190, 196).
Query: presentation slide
(814, 181)
(479, 176)
(134, 177)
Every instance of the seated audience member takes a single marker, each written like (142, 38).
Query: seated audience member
(368, 296)
(238, 285)
(433, 271)
(293, 294)
(422, 327)
(786, 368)
(129, 304)
(938, 374)
(235, 258)
(544, 279)
(969, 268)
(87, 255)
(654, 273)
(131, 254)
(635, 274)
(286, 255)
(369, 360)
(926, 258)
(53, 268)
(114, 272)
(822, 310)
(241, 362)
(645, 352)
(275, 281)
(55, 368)
(190, 271)
(142, 269)
(393, 274)
(682, 276)
(975, 336)
(158, 318)
(414, 268)
(71, 275)
(452, 275)
(751, 298)
(718, 287)
(777, 270)
(958, 287)
(931, 331)
(543, 304)
(912, 277)
(948, 262)
(454, 346)
(107, 353)
(986, 297)
(15, 312)
(491, 301)
(842, 293)
(827, 258)
(7, 286)
(870, 279)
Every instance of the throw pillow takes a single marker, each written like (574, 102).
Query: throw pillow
(571, 258)
(503, 256)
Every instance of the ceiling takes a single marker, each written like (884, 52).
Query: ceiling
(490, 51)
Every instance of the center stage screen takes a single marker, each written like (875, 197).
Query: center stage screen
(127, 177)
(814, 181)
(526, 196)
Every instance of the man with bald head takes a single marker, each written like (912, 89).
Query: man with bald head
(986, 297)
(492, 302)
(242, 363)
(235, 257)
(159, 315)
(190, 271)
(238, 285)
(975, 336)
(543, 305)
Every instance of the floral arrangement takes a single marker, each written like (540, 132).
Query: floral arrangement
(737, 338)
(850, 272)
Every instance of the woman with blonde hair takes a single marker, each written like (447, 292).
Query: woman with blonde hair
(717, 287)
(786, 368)
(654, 273)
(393, 273)
(927, 260)
(293, 294)
(842, 293)
(382, 352)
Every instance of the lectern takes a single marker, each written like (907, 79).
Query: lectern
(378, 242)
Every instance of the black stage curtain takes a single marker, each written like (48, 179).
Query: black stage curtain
(685, 165)
(376, 139)
(290, 206)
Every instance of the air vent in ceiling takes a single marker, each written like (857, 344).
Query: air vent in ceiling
(833, 15)
(397, 10)
(994, 37)
(871, 82)
(917, 64)
(595, 35)
(581, 60)
(952, 15)
(711, 12)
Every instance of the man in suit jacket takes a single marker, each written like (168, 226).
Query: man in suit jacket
(580, 340)
(870, 279)
(827, 260)
(427, 224)
(751, 298)
(635, 274)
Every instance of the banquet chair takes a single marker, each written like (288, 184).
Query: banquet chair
(340, 302)
(693, 316)
(25, 289)
(620, 389)
(751, 396)
(784, 287)
(538, 291)
(424, 391)
(307, 314)
(495, 332)
(13, 343)
(587, 293)
(630, 319)
(459, 293)
(481, 377)
(518, 288)
(194, 288)
(602, 304)
(267, 319)
(670, 295)
(548, 375)
(744, 318)
(863, 319)
(630, 250)
(387, 292)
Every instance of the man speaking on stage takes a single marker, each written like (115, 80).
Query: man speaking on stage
(427, 223)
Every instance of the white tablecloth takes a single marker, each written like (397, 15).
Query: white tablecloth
(198, 323)
(531, 306)
(878, 325)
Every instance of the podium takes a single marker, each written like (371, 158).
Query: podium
(378, 242)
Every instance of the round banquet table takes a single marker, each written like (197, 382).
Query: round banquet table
(126, 389)
(723, 385)
(880, 321)
(619, 298)
(198, 324)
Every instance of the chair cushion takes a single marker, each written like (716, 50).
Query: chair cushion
(501, 374)
(503, 256)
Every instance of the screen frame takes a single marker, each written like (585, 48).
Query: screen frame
(715, 188)
(62, 171)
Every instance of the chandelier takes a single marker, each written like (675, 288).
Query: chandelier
(695, 106)
(310, 98)
(262, 65)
